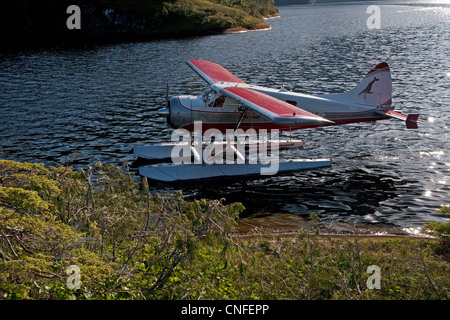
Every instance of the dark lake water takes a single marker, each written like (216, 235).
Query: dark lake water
(100, 101)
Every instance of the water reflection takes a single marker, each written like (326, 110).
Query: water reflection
(355, 195)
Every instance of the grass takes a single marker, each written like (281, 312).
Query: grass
(308, 266)
(132, 244)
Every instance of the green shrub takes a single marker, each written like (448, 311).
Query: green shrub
(129, 243)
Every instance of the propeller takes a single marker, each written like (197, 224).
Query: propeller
(167, 94)
(165, 111)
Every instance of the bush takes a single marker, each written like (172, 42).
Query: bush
(129, 243)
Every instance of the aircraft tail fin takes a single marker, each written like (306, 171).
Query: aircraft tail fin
(374, 90)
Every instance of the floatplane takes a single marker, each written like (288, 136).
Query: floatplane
(250, 118)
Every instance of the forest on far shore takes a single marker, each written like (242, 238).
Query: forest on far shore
(25, 21)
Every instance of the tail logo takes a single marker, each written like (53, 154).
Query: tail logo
(367, 90)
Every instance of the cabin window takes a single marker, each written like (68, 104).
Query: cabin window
(294, 103)
(219, 102)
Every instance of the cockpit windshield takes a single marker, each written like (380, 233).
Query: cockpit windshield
(208, 94)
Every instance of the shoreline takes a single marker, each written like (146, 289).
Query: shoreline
(25, 41)
(259, 27)
(290, 225)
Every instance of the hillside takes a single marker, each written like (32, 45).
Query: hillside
(24, 21)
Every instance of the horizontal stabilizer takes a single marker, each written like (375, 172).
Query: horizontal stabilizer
(411, 120)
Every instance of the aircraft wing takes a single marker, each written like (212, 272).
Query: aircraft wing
(411, 120)
(212, 72)
(274, 109)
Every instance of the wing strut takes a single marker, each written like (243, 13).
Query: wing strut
(238, 123)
